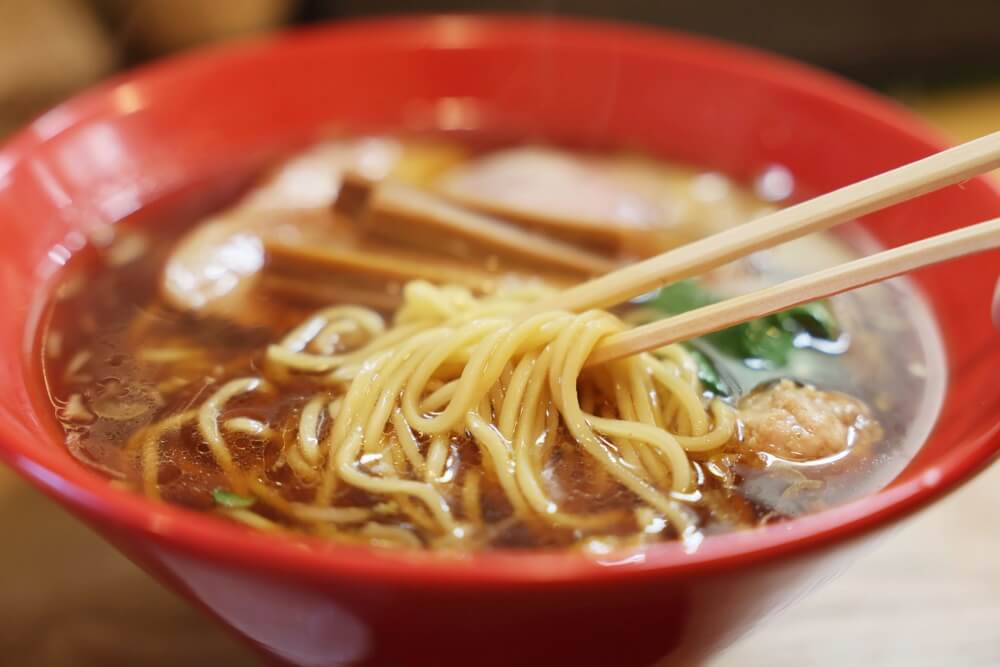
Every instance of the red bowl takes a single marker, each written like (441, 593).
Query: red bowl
(126, 144)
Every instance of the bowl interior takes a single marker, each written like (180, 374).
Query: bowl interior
(119, 148)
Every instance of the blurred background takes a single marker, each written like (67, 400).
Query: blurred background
(49, 48)
(936, 582)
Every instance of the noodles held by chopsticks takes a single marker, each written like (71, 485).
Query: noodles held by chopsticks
(453, 369)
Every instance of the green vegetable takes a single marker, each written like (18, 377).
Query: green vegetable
(708, 373)
(682, 296)
(815, 318)
(769, 339)
(232, 500)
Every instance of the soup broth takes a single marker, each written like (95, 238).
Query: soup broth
(827, 404)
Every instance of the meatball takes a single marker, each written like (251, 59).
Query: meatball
(802, 423)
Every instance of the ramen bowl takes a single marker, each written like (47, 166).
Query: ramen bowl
(128, 144)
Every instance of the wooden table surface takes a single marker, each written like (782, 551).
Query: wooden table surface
(928, 595)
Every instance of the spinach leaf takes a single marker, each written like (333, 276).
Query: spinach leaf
(232, 500)
(814, 318)
(758, 339)
(769, 339)
(681, 296)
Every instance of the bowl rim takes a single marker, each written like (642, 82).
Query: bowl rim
(188, 532)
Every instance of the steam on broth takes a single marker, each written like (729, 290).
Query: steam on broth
(339, 353)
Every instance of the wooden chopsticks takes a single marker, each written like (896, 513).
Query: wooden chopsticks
(880, 266)
(872, 194)
(891, 187)
(394, 209)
